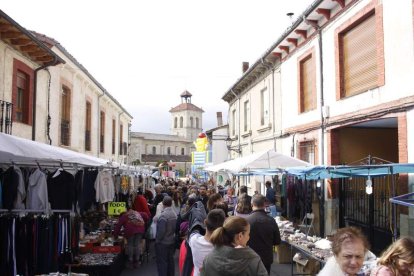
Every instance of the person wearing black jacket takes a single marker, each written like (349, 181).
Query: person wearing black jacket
(195, 214)
(264, 233)
(243, 190)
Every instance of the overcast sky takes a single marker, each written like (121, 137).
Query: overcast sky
(147, 52)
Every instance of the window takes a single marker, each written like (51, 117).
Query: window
(181, 122)
(22, 95)
(102, 132)
(191, 122)
(246, 116)
(175, 122)
(197, 123)
(88, 126)
(65, 117)
(113, 135)
(182, 151)
(358, 52)
(169, 151)
(307, 84)
(22, 100)
(264, 107)
(154, 150)
(307, 151)
(233, 122)
(122, 149)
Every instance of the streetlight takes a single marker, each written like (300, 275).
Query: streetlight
(229, 141)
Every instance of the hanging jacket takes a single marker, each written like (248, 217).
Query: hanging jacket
(10, 181)
(37, 196)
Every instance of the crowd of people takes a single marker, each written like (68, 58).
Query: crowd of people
(219, 233)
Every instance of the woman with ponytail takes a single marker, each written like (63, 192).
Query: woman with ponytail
(231, 255)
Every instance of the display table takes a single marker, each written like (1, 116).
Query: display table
(310, 258)
(307, 263)
(107, 264)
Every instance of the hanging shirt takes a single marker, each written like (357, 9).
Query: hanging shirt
(37, 196)
(61, 190)
(104, 187)
(21, 190)
(131, 184)
(124, 184)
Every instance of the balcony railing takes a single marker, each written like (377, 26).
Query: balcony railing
(6, 122)
(102, 143)
(64, 132)
(87, 140)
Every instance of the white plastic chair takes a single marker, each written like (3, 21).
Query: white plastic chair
(305, 226)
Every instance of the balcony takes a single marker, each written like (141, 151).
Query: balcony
(64, 132)
(6, 122)
(87, 140)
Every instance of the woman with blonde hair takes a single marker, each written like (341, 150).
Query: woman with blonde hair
(231, 255)
(349, 246)
(397, 260)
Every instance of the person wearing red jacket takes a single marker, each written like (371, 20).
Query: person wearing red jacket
(141, 205)
(132, 225)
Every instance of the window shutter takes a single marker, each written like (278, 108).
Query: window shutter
(306, 71)
(360, 58)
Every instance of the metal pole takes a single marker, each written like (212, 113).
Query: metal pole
(393, 207)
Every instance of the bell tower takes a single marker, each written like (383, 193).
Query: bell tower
(187, 119)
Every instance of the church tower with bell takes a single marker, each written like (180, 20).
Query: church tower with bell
(187, 119)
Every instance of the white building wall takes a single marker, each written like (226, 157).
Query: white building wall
(8, 54)
(82, 88)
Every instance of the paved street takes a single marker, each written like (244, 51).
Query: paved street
(150, 268)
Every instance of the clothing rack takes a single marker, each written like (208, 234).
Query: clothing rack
(54, 164)
(43, 212)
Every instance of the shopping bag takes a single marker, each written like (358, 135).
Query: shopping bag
(152, 231)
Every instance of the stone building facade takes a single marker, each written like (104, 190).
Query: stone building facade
(54, 99)
(335, 88)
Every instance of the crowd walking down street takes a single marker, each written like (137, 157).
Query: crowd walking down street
(195, 240)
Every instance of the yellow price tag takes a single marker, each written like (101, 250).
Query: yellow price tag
(116, 208)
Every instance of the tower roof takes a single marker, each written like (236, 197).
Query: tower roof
(186, 94)
(186, 106)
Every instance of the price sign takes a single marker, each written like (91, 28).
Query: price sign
(116, 208)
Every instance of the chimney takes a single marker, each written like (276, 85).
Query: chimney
(219, 119)
(245, 66)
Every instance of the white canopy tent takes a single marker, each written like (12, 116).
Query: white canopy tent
(20, 150)
(268, 159)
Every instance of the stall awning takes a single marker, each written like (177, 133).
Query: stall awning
(269, 159)
(20, 150)
(322, 172)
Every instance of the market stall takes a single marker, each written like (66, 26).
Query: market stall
(64, 196)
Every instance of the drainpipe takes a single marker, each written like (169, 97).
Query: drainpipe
(53, 62)
(49, 119)
(238, 138)
(99, 124)
(322, 208)
(119, 132)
